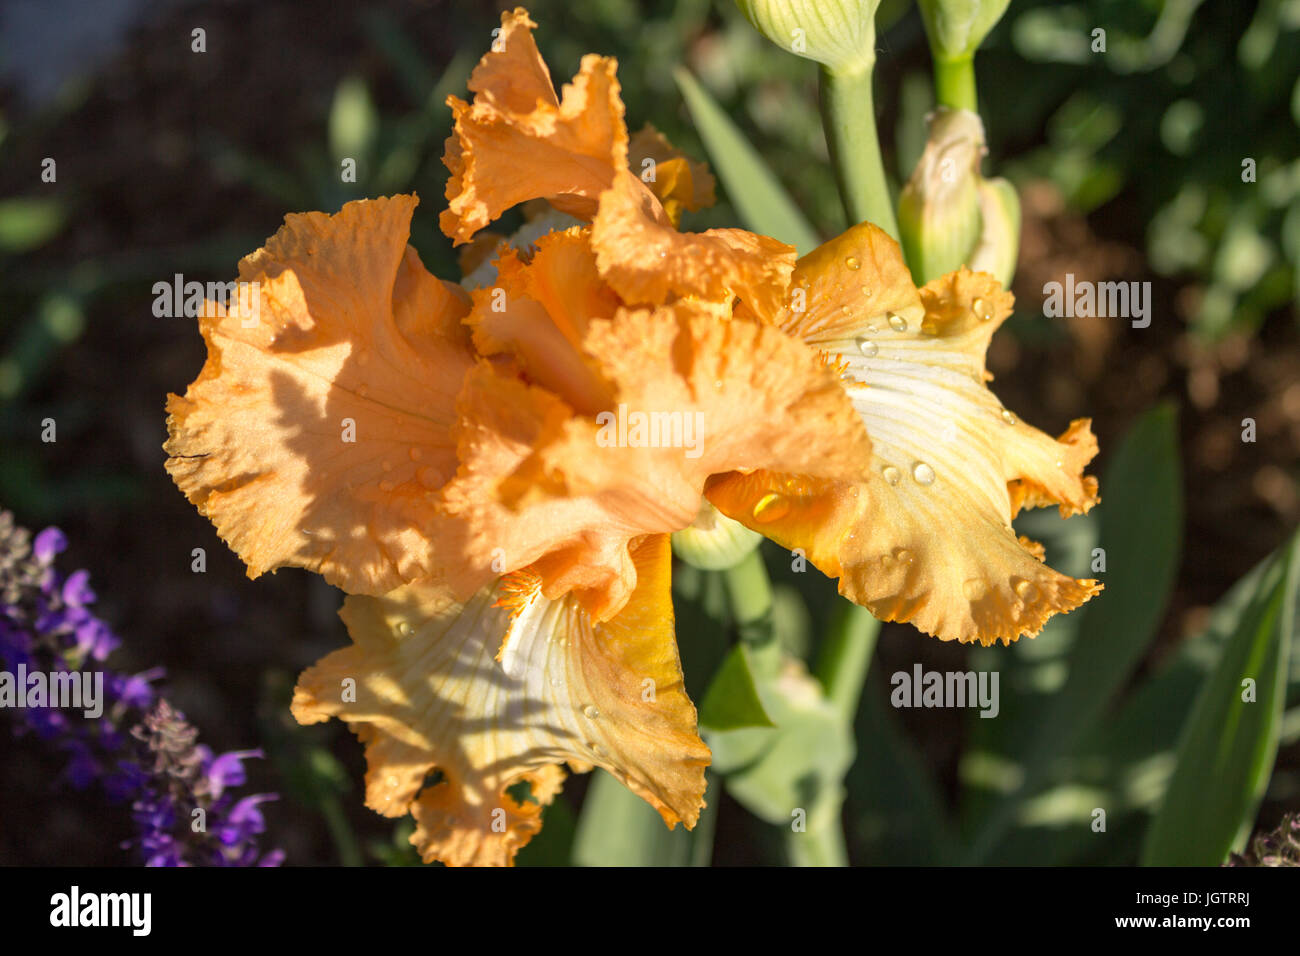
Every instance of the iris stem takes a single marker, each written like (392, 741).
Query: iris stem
(845, 657)
(954, 83)
(749, 591)
(849, 118)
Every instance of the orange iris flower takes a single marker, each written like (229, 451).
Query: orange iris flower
(440, 455)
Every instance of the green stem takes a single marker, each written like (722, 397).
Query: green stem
(821, 847)
(845, 657)
(849, 116)
(954, 83)
(750, 592)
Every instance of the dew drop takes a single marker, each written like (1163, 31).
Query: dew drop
(868, 347)
(902, 556)
(1008, 417)
(929, 327)
(771, 507)
(892, 474)
(362, 391)
(590, 712)
(404, 628)
(1026, 590)
(845, 310)
(923, 473)
(866, 291)
(852, 264)
(982, 310)
(897, 322)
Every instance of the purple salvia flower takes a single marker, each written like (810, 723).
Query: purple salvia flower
(141, 750)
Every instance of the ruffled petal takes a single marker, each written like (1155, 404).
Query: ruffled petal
(692, 396)
(678, 182)
(648, 262)
(517, 141)
(315, 435)
(924, 534)
(502, 690)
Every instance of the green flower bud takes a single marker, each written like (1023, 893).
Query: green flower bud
(714, 542)
(949, 215)
(999, 244)
(939, 208)
(956, 28)
(839, 34)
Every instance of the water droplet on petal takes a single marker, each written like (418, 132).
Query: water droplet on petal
(1008, 417)
(866, 291)
(868, 347)
(930, 327)
(1026, 590)
(590, 712)
(852, 264)
(923, 473)
(771, 507)
(902, 556)
(845, 310)
(362, 391)
(403, 628)
(892, 474)
(983, 311)
(897, 322)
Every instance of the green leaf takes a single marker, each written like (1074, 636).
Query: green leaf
(1140, 523)
(1141, 518)
(762, 203)
(618, 828)
(1227, 748)
(798, 765)
(732, 699)
(553, 844)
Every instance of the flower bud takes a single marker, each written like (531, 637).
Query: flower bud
(714, 542)
(949, 215)
(957, 27)
(839, 34)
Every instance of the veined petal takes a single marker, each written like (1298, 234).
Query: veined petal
(320, 424)
(518, 141)
(924, 533)
(502, 690)
(692, 396)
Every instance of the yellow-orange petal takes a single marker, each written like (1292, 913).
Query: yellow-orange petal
(567, 494)
(677, 182)
(648, 262)
(431, 697)
(320, 423)
(517, 141)
(538, 312)
(925, 534)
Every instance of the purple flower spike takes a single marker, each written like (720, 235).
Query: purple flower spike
(139, 749)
